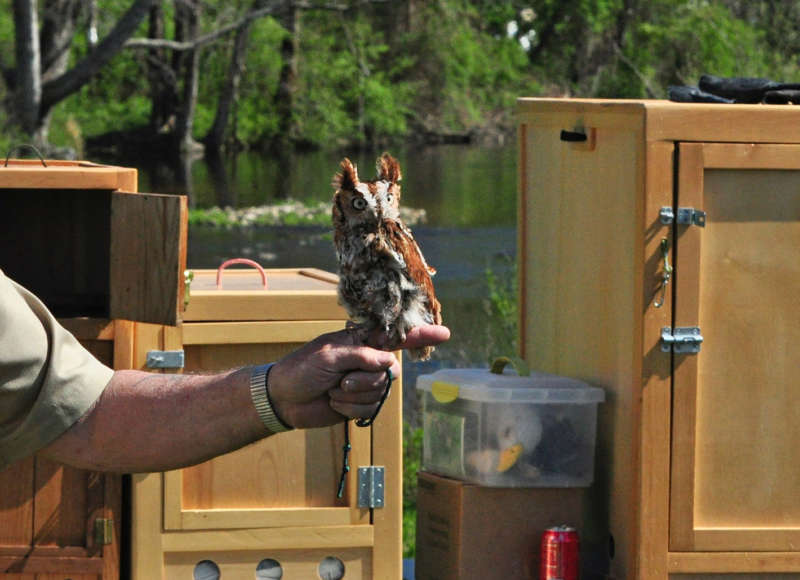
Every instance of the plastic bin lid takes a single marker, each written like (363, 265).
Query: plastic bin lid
(481, 385)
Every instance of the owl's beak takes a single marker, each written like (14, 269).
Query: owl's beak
(508, 457)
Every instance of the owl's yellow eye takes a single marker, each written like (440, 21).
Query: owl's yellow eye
(359, 203)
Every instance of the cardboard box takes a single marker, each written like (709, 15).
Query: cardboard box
(466, 531)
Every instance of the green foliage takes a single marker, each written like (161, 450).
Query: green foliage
(501, 308)
(412, 463)
(376, 72)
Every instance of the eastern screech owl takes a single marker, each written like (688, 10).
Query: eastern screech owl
(384, 281)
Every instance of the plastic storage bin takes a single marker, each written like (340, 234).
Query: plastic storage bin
(506, 430)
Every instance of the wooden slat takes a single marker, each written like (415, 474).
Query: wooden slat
(31, 175)
(387, 451)
(224, 519)
(733, 562)
(112, 495)
(669, 121)
(752, 156)
(54, 565)
(16, 504)
(656, 383)
(298, 331)
(60, 505)
(148, 257)
(298, 538)
(275, 305)
(687, 306)
(146, 538)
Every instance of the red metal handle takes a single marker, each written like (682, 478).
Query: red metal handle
(255, 265)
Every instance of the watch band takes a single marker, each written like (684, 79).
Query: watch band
(259, 392)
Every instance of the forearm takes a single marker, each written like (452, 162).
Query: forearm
(152, 422)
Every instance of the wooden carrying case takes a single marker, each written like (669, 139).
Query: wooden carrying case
(273, 502)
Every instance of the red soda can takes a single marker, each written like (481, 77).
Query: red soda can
(559, 554)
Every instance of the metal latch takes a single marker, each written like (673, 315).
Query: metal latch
(165, 359)
(370, 487)
(103, 531)
(687, 216)
(682, 340)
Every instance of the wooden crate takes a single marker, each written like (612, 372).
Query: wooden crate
(77, 236)
(697, 476)
(275, 499)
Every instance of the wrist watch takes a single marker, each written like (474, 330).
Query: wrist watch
(259, 392)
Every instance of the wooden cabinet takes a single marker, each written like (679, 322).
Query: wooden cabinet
(697, 469)
(275, 500)
(95, 252)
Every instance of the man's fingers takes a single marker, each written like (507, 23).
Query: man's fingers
(353, 410)
(427, 335)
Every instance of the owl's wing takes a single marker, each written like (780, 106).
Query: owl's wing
(404, 244)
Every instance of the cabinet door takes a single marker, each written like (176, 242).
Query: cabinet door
(148, 256)
(736, 404)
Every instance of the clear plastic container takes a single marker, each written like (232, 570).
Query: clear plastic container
(506, 430)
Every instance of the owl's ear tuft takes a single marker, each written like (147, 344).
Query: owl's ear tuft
(348, 178)
(388, 169)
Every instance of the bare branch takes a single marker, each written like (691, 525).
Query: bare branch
(242, 22)
(206, 38)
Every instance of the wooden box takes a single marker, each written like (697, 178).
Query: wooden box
(469, 531)
(76, 235)
(274, 500)
(646, 227)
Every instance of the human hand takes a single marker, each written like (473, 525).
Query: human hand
(333, 377)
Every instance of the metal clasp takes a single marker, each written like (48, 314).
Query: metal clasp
(681, 340)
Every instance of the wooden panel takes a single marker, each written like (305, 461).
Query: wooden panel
(148, 257)
(687, 279)
(30, 174)
(735, 479)
(294, 563)
(296, 331)
(656, 382)
(733, 565)
(387, 451)
(16, 504)
(61, 505)
(582, 247)
(669, 121)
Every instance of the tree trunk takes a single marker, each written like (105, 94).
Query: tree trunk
(284, 96)
(187, 15)
(56, 90)
(161, 77)
(29, 65)
(215, 138)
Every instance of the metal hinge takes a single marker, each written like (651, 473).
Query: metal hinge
(687, 216)
(370, 487)
(103, 531)
(165, 359)
(682, 340)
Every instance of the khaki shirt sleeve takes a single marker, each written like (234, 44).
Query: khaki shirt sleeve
(47, 379)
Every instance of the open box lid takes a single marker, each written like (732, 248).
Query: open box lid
(481, 385)
(242, 294)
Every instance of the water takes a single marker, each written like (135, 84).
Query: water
(469, 194)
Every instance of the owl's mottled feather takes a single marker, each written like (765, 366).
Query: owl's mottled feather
(384, 280)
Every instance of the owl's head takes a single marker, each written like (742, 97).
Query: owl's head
(366, 203)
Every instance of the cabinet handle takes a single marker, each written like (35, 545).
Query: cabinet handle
(665, 277)
(255, 265)
(573, 136)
